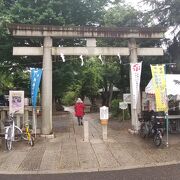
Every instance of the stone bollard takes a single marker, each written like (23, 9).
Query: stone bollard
(104, 132)
(104, 116)
(86, 131)
(3, 116)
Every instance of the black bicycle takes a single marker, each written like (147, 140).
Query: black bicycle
(152, 125)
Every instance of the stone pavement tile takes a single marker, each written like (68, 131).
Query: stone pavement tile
(96, 141)
(104, 156)
(69, 157)
(78, 130)
(93, 131)
(69, 141)
(4, 155)
(51, 157)
(65, 135)
(137, 152)
(13, 160)
(163, 155)
(121, 155)
(33, 159)
(86, 156)
(71, 132)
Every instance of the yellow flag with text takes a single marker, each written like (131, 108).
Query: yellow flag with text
(159, 85)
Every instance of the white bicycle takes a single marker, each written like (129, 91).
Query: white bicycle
(12, 132)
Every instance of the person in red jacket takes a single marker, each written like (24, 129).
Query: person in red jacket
(79, 110)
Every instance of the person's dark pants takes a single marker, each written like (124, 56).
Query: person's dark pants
(80, 119)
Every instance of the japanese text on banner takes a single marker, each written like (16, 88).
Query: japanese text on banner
(159, 85)
(136, 76)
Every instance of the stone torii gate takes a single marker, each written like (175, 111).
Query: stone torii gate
(90, 34)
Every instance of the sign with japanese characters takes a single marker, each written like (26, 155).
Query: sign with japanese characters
(104, 113)
(127, 98)
(16, 102)
(136, 77)
(123, 105)
(159, 85)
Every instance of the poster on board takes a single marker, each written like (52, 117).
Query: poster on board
(16, 102)
(127, 98)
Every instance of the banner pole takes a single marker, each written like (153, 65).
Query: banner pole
(34, 121)
(167, 128)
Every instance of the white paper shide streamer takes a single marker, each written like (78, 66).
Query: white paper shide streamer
(136, 77)
(100, 57)
(82, 61)
(62, 57)
(119, 56)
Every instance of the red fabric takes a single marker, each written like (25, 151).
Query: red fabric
(79, 109)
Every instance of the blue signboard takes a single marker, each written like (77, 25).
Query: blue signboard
(35, 81)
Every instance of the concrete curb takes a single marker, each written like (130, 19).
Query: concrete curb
(65, 171)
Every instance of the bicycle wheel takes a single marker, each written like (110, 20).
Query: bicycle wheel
(8, 141)
(157, 140)
(31, 141)
(17, 134)
(24, 136)
(142, 131)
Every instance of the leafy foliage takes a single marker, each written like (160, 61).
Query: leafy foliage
(69, 79)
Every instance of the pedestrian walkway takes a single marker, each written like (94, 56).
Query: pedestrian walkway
(67, 152)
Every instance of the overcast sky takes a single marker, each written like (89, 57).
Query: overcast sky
(137, 4)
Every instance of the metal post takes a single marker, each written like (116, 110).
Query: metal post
(167, 129)
(47, 87)
(133, 59)
(123, 114)
(34, 123)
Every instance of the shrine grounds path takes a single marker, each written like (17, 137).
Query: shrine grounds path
(68, 153)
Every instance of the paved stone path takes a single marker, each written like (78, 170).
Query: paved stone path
(67, 152)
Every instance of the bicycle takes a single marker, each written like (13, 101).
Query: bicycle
(27, 135)
(14, 133)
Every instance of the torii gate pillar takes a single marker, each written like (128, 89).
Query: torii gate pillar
(47, 87)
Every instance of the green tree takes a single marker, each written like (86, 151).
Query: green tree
(166, 13)
(91, 78)
(54, 12)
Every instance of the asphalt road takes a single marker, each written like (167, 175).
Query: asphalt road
(170, 172)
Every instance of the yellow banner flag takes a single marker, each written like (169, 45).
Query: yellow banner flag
(159, 85)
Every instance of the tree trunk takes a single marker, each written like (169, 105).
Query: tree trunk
(110, 94)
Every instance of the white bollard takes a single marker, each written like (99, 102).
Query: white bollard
(104, 132)
(86, 131)
(104, 116)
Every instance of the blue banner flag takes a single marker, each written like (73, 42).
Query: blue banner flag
(35, 81)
